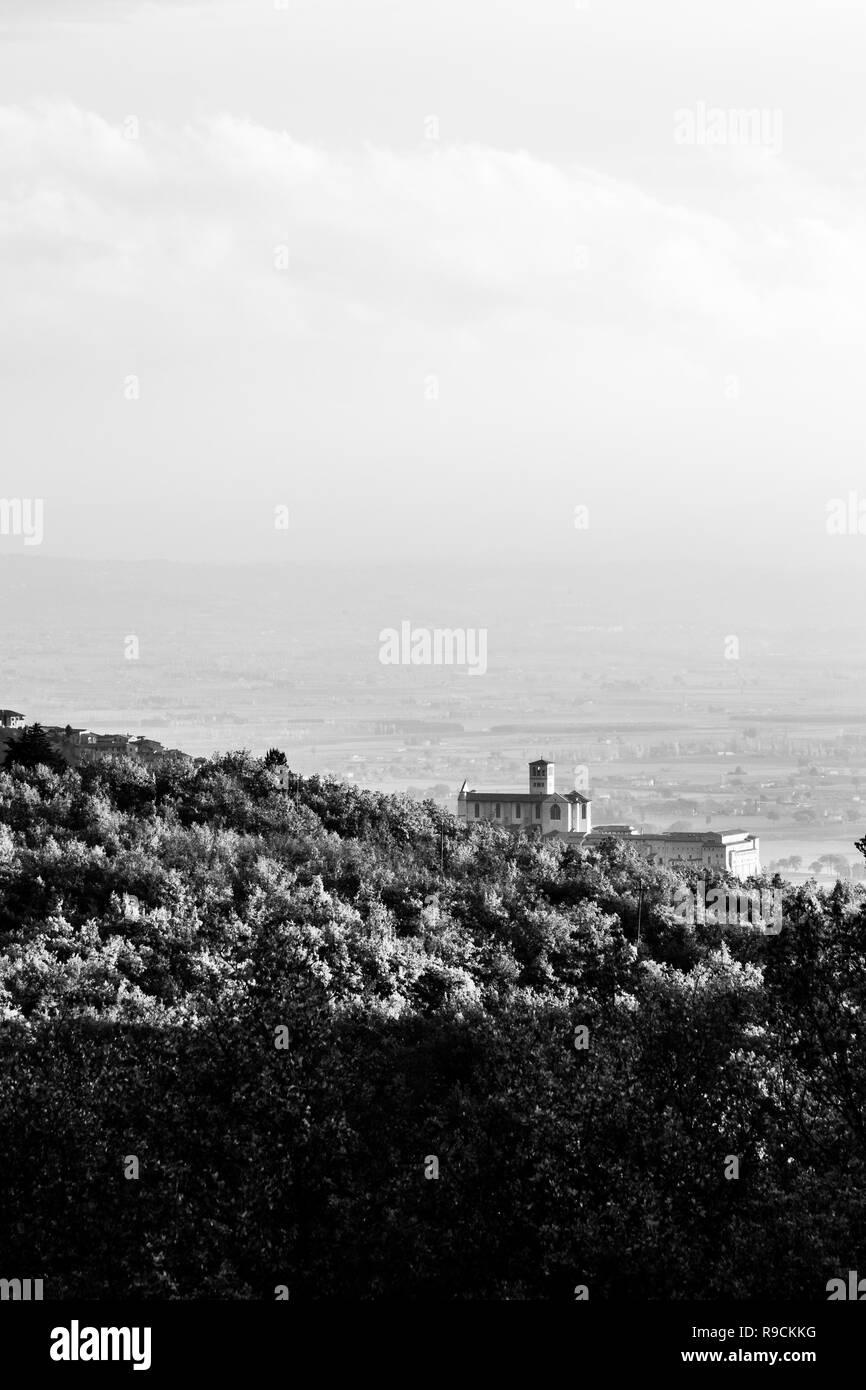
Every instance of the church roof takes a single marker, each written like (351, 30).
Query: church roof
(522, 797)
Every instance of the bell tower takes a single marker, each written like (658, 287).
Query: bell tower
(541, 777)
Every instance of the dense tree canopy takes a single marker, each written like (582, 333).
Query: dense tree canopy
(31, 748)
(344, 1069)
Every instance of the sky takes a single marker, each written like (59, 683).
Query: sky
(422, 279)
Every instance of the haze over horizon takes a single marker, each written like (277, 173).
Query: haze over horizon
(325, 319)
(431, 306)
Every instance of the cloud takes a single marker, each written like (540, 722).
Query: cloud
(550, 302)
(438, 236)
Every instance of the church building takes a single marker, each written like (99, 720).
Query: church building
(542, 810)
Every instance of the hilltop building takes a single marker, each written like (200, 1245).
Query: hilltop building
(545, 811)
(80, 745)
(734, 851)
(542, 810)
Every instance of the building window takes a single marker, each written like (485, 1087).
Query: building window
(538, 810)
(517, 810)
(555, 813)
(477, 809)
(497, 811)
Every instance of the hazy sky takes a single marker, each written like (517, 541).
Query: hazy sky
(432, 275)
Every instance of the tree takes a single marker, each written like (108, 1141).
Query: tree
(839, 865)
(288, 1008)
(275, 757)
(33, 748)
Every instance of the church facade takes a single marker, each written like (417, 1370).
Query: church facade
(541, 810)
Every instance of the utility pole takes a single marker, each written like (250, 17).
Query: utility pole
(639, 909)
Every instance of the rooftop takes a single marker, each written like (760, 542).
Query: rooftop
(492, 794)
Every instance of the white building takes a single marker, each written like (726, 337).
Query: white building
(732, 850)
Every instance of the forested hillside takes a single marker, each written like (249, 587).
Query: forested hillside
(341, 1036)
